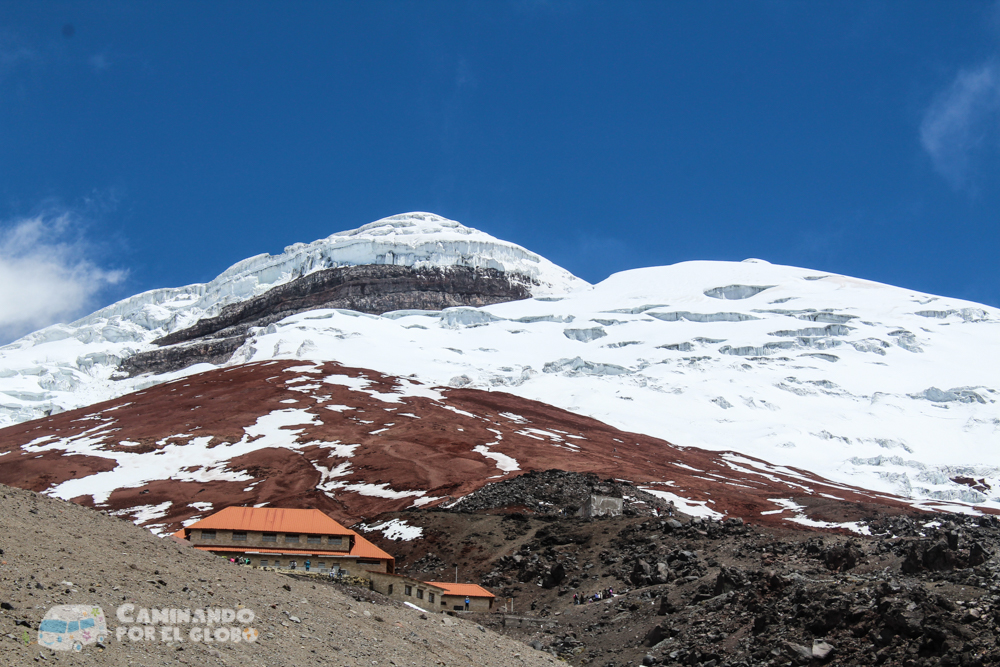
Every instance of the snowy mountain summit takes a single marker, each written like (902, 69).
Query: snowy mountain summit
(68, 365)
(864, 383)
(418, 240)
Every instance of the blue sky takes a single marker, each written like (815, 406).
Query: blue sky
(150, 144)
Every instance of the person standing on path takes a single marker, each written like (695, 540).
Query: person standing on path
(466, 603)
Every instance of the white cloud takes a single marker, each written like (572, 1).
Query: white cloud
(961, 128)
(46, 275)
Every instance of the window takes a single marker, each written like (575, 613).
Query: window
(208, 534)
(291, 538)
(408, 590)
(420, 594)
(314, 539)
(443, 603)
(430, 598)
(52, 625)
(390, 590)
(334, 541)
(319, 564)
(362, 561)
(269, 537)
(263, 562)
(277, 563)
(239, 536)
(458, 607)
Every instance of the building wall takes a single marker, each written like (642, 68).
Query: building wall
(601, 506)
(457, 603)
(316, 563)
(224, 538)
(420, 593)
(358, 567)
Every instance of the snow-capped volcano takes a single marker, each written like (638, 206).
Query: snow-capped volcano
(67, 365)
(863, 383)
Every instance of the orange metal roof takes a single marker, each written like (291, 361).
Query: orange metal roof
(271, 520)
(407, 578)
(469, 590)
(365, 549)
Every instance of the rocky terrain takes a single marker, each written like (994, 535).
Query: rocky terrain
(922, 589)
(57, 553)
(373, 289)
(559, 492)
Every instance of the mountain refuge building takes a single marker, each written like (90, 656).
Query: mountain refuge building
(301, 539)
(288, 539)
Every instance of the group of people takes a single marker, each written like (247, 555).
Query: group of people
(243, 560)
(669, 510)
(606, 594)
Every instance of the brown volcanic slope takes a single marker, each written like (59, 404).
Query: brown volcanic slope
(354, 443)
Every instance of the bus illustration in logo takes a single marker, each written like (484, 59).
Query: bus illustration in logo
(70, 626)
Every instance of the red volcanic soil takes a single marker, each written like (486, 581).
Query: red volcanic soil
(354, 443)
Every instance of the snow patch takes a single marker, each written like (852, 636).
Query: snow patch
(801, 519)
(395, 529)
(504, 462)
(697, 508)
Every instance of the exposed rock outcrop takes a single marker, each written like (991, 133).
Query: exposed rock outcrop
(175, 357)
(558, 492)
(372, 289)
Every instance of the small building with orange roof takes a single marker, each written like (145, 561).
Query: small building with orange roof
(430, 595)
(406, 589)
(288, 539)
(464, 597)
